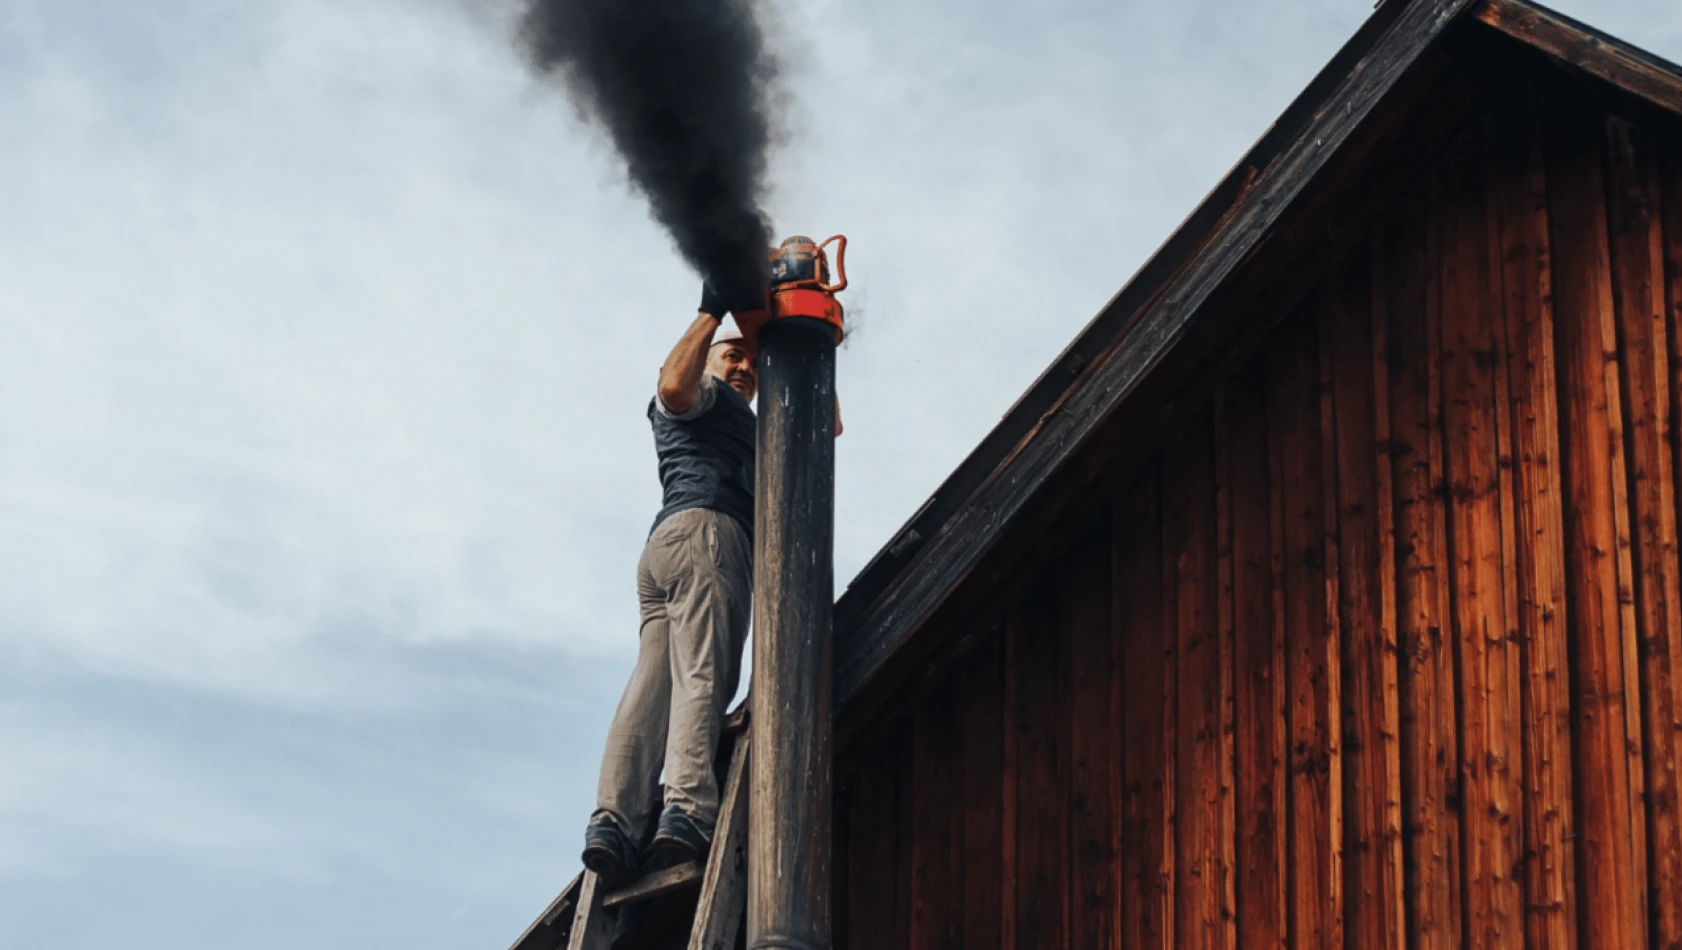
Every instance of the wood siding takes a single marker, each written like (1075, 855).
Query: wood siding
(1384, 649)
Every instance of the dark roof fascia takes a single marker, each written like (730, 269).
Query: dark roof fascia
(903, 585)
(1582, 47)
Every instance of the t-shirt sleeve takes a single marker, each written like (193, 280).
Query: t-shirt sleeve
(704, 400)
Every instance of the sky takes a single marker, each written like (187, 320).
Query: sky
(326, 335)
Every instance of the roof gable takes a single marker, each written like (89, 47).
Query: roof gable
(1162, 306)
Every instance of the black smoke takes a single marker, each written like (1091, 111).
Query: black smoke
(685, 89)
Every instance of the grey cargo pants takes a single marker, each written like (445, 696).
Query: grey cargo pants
(695, 582)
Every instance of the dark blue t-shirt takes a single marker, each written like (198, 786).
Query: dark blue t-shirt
(706, 454)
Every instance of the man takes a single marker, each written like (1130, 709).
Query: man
(694, 581)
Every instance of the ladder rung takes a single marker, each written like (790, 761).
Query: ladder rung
(660, 882)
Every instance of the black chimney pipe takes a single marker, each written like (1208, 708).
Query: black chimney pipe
(789, 806)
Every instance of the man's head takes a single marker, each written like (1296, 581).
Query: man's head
(730, 360)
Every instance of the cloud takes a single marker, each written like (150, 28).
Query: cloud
(280, 371)
(68, 783)
(182, 814)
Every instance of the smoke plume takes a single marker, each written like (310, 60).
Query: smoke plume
(685, 91)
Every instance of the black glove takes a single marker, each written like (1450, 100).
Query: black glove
(711, 302)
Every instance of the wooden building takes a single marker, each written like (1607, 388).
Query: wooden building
(1325, 591)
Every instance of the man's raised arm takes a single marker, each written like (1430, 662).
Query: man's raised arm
(680, 377)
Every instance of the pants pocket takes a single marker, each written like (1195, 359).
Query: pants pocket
(710, 544)
(670, 558)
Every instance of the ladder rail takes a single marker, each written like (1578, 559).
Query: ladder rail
(724, 893)
(592, 924)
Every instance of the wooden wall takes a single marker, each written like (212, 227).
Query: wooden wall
(1384, 650)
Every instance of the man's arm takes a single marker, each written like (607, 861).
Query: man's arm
(680, 377)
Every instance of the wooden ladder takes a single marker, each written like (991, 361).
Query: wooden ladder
(597, 913)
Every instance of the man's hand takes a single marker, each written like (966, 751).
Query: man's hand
(751, 313)
(711, 303)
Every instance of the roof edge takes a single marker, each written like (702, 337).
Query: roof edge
(1580, 46)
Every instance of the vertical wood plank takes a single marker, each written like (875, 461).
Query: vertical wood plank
(1406, 250)
(1665, 769)
(1510, 726)
(979, 791)
(1637, 245)
(1227, 697)
(1084, 602)
(1226, 688)
(1042, 829)
(1257, 600)
(901, 751)
(872, 825)
(1611, 871)
(1010, 754)
(1491, 754)
(1189, 529)
(1315, 758)
(1336, 662)
(841, 872)
(933, 869)
(1518, 188)
(1383, 500)
(1670, 184)
(1146, 833)
(1120, 737)
(1373, 903)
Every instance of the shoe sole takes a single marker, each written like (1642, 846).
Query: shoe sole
(677, 850)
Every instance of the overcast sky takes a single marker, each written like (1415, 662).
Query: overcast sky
(325, 340)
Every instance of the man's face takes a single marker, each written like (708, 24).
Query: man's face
(733, 363)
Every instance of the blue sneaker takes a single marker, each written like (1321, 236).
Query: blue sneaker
(607, 851)
(680, 838)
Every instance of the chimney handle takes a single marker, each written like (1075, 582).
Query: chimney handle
(840, 264)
